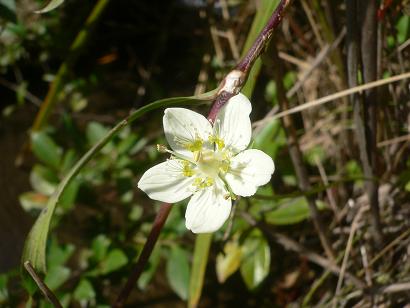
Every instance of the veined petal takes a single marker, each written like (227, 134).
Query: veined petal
(186, 130)
(248, 170)
(166, 182)
(233, 124)
(208, 209)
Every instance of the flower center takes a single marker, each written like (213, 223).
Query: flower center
(209, 164)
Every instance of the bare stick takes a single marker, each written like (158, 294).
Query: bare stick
(365, 114)
(48, 294)
(347, 252)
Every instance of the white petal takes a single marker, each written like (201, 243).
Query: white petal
(165, 182)
(182, 126)
(235, 125)
(208, 210)
(248, 170)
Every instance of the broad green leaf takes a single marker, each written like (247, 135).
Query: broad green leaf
(229, 261)
(403, 29)
(264, 12)
(115, 260)
(45, 149)
(84, 291)
(291, 211)
(135, 213)
(256, 260)
(59, 254)
(69, 195)
(95, 132)
(100, 246)
(49, 6)
(35, 245)
(178, 271)
(200, 259)
(56, 276)
(271, 138)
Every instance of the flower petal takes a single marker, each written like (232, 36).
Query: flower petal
(183, 127)
(208, 209)
(234, 126)
(248, 170)
(166, 182)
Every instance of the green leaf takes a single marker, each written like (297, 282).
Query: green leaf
(403, 29)
(45, 149)
(200, 259)
(229, 261)
(69, 195)
(95, 132)
(35, 245)
(291, 211)
(84, 291)
(43, 180)
(178, 271)
(49, 6)
(100, 246)
(271, 138)
(115, 260)
(59, 254)
(256, 260)
(56, 276)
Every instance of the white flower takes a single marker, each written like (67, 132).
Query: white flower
(210, 163)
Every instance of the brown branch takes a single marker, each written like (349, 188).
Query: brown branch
(48, 294)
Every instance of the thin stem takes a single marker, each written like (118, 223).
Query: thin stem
(42, 286)
(236, 79)
(263, 38)
(159, 222)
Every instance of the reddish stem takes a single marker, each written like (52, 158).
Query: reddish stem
(145, 254)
